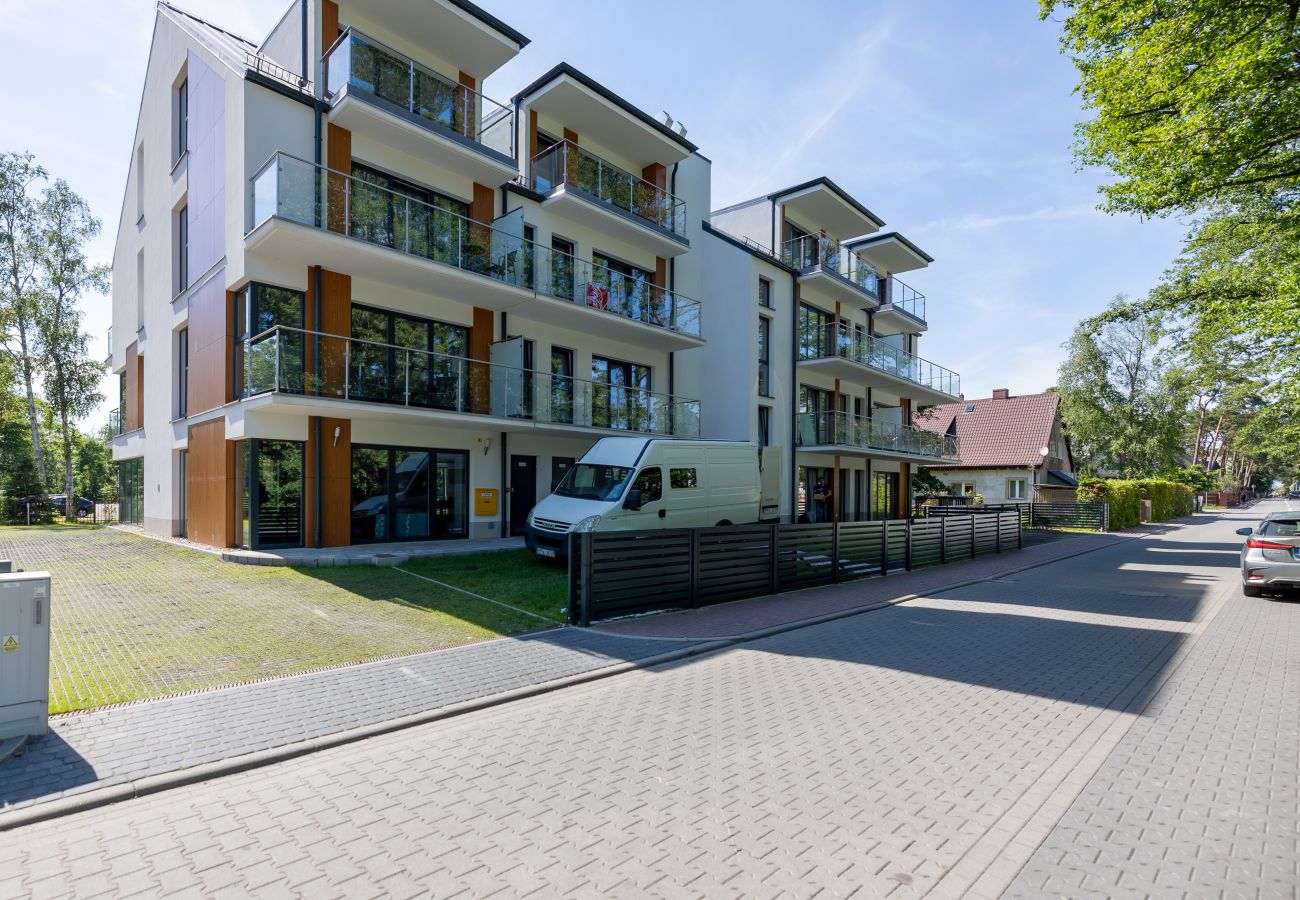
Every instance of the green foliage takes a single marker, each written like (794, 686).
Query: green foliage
(925, 482)
(1197, 479)
(1169, 500)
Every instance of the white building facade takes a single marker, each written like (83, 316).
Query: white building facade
(355, 300)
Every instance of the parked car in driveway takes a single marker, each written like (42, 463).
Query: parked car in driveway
(1270, 557)
(60, 502)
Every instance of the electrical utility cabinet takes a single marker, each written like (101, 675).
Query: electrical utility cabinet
(24, 654)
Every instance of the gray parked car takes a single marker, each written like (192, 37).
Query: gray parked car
(1270, 558)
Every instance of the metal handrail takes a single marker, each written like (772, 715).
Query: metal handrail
(563, 164)
(906, 298)
(469, 101)
(864, 349)
(477, 247)
(850, 430)
(830, 256)
(517, 392)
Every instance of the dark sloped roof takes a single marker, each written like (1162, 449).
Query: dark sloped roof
(996, 433)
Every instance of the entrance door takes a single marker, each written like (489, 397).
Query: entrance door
(523, 490)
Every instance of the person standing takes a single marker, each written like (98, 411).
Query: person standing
(821, 496)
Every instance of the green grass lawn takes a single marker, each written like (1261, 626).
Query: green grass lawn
(133, 618)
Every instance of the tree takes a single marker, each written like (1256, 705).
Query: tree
(18, 280)
(72, 377)
(1122, 400)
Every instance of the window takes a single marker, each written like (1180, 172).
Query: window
(764, 356)
(431, 374)
(182, 492)
(620, 395)
(562, 255)
(816, 416)
(815, 338)
(182, 372)
(1016, 488)
(650, 482)
(403, 493)
(964, 488)
(765, 293)
(683, 478)
(182, 119)
(268, 358)
(396, 213)
(139, 290)
(561, 385)
(624, 289)
(764, 425)
(139, 184)
(182, 249)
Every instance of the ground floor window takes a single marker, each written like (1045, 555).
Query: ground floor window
(814, 494)
(407, 494)
(130, 491)
(1016, 489)
(964, 488)
(182, 493)
(884, 495)
(269, 494)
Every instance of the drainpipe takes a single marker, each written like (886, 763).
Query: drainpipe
(794, 393)
(316, 487)
(505, 457)
(303, 7)
(672, 288)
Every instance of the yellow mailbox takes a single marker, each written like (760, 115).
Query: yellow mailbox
(486, 501)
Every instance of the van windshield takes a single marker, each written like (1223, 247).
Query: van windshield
(589, 481)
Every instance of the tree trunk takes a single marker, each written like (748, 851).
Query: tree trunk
(1200, 433)
(31, 401)
(70, 509)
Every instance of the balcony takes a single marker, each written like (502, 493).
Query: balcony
(858, 357)
(303, 213)
(832, 271)
(114, 423)
(903, 309)
(316, 373)
(840, 432)
(577, 183)
(376, 91)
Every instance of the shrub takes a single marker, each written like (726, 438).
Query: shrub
(1168, 499)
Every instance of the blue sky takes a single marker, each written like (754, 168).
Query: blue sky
(950, 120)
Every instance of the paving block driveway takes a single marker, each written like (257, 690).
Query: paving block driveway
(134, 618)
(968, 742)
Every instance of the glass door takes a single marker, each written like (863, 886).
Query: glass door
(410, 494)
(451, 494)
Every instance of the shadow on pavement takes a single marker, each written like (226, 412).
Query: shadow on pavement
(48, 765)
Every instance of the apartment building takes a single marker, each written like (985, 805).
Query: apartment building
(834, 370)
(357, 300)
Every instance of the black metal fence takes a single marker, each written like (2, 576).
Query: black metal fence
(1093, 516)
(624, 573)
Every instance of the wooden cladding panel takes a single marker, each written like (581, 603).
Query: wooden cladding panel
(210, 341)
(335, 482)
(210, 489)
(656, 174)
(335, 318)
(480, 347)
(133, 415)
(329, 25)
(338, 157)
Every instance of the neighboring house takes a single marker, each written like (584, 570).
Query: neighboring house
(1013, 449)
(356, 300)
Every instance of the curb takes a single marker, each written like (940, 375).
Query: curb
(153, 784)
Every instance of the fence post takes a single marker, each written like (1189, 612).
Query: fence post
(693, 598)
(835, 552)
(1020, 532)
(584, 608)
(774, 568)
(1105, 516)
(884, 546)
(907, 546)
(997, 543)
(972, 535)
(943, 540)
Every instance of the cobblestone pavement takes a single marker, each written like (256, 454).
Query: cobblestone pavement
(134, 618)
(924, 748)
(125, 743)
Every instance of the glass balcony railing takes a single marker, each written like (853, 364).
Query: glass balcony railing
(294, 361)
(812, 253)
(824, 429)
(293, 189)
(838, 340)
(568, 164)
(360, 63)
(905, 298)
(114, 422)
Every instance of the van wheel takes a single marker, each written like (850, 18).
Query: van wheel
(1251, 590)
(726, 522)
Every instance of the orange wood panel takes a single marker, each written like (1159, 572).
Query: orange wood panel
(335, 319)
(131, 416)
(463, 116)
(336, 482)
(338, 157)
(210, 339)
(210, 485)
(329, 24)
(480, 347)
(656, 174)
(571, 160)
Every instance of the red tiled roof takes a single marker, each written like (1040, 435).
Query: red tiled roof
(996, 433)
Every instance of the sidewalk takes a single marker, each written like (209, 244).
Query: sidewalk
(120, 746)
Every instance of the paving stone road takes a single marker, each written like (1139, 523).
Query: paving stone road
(927, 748)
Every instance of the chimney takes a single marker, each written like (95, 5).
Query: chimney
(1001, 394)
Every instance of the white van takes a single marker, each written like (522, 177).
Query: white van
(629, 484)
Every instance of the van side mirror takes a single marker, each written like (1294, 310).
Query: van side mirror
(1244, 532)
(633, 500)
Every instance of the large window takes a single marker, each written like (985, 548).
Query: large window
(561, 385)
(272, 360)
(765, 293)
(182, 119)
(182, 249)
(269, 494)
(401, 494)
(1017, 489)
(562, 256)
(387, 210)
(884, 495)
(397, 358)
(182, 373)
(764, 356)
(620, 394)
(626, 290)
(816, 419)
(815, 339)
(764, 426)
(130, 491)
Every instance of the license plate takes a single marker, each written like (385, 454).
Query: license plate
(546, 551)
(1295, 553)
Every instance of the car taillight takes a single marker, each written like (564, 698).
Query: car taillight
(1257, 544)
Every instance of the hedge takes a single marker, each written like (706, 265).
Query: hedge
(1169, 500)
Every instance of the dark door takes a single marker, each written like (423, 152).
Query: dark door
(560, 466)
(523, 490)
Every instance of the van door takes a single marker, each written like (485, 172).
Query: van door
(653, 512)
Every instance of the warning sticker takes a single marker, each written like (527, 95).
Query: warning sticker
(11, 643)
